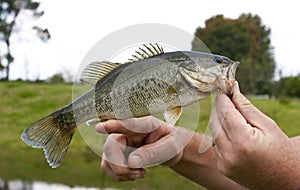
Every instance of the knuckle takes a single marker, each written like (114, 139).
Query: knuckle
(117, 178)
(120, 171)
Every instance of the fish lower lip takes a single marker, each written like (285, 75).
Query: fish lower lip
(235, 64)
(232, 70)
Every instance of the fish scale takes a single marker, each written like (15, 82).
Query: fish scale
(151, 82)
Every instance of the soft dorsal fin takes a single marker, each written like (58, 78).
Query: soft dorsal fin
(97, 70)
(146, 51)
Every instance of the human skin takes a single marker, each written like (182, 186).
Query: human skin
(175, 147)
(260, 157)
(250, 147)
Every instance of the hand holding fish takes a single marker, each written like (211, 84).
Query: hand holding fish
(127, 150)
(175, 147)
(250, 147)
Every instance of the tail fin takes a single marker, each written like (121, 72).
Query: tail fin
(47, 134)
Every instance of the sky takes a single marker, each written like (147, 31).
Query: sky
(76, 26)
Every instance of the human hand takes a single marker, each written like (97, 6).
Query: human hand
(136, 143)
(250, 147)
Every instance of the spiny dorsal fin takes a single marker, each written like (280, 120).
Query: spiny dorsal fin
(148, 50)
(97, 70)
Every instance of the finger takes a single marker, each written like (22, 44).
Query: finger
(106, 168)
(157, 134)
(137, 125)
(142, 124)
(114, 159)
(233, 123)
(114, 126)
(113, 150)
(214, 124)
(160, 151)
(124, 174)
(253, 115)
(220, 138)
(221, 143)
(111, 126)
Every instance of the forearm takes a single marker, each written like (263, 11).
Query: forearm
(202, 167)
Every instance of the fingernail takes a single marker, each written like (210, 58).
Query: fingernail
(100, 128)
(135, 161)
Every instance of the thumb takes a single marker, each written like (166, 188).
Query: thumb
(152, 154)
(252, 115)
(167, 150)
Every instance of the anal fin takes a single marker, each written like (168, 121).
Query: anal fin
(172, 115)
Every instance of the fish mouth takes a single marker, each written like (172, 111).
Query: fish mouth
(231, 71)
(228, 81)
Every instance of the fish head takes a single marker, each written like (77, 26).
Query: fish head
(227, 68)
(208, 72)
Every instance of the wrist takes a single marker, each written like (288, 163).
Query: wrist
(192, 154)
(202, 167)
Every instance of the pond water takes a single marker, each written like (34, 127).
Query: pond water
(38, 185)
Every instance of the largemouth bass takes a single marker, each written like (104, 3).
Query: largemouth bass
(151, 82)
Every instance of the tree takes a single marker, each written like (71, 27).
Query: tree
(10, 10)
(244, 39)
(288, 86)
(56, 78)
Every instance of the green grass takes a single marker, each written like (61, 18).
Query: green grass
(285, 114)
(21, 104)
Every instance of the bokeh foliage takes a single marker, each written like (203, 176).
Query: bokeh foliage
(247, 40)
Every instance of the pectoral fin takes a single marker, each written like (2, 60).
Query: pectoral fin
(172, 115)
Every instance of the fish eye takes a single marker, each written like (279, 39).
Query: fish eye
(218, 59)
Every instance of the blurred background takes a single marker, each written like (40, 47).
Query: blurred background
(42, 44)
